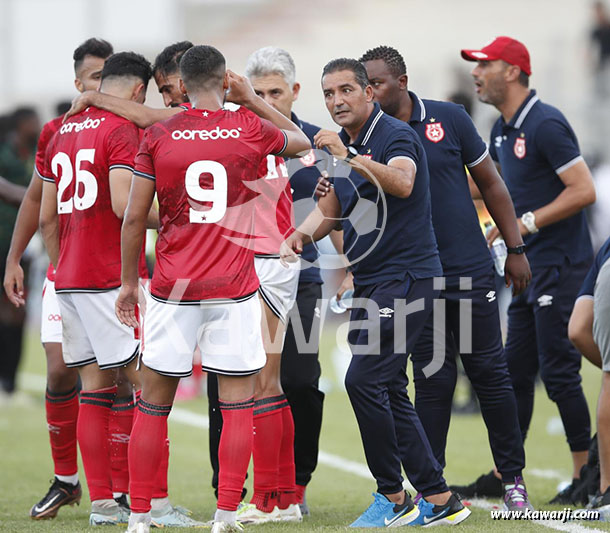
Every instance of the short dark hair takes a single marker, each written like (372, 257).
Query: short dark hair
(390, 56)
(168, 61)
(462, 98)
(21, 114)
(126, 64)
(92, 47)
(202, 67)
(524, 79)
(345, 63)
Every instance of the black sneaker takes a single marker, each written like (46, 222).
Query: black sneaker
(123, 502)
(486, 486)
(59, 494)
(600, 500)
(566, 497)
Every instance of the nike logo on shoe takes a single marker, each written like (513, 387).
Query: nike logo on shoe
(46, 505)
(440, 515)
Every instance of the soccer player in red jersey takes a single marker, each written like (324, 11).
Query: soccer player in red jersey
(61, 400)
(201, 164)
(87, 176)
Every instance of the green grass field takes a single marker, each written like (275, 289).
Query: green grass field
(336, 497)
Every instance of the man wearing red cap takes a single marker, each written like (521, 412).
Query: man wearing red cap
(550, 185)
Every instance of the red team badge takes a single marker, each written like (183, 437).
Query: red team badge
(519, 147)
(309, 159)
(435, 132)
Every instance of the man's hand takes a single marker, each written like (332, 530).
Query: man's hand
(80, 103)
(517, 272)
(494, 232)
(323, 186)
(13, 284)
(240, 89)
(125, 306)
(346, 284)
(332, 142)
(290, 249)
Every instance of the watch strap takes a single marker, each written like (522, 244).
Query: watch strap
(520, 249)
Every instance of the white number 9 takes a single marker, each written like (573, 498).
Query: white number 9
(217, 195)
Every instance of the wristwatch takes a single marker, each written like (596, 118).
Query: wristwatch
(351, 153)
(529, 221)
(519, 249)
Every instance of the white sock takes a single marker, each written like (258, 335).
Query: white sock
(225, 516)
(73, 479)
(116, 495)
(103, 504)
(156, 504)
(139, 518)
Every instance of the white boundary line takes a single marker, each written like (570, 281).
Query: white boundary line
(35, 382)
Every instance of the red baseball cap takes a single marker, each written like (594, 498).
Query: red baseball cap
(505, 48)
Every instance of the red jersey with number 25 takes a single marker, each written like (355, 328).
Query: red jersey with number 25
(79, 159)
(204, 164)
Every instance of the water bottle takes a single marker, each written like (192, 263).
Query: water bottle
(342, 305)
(498, 251)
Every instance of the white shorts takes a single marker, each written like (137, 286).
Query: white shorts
(279, 284)
(50, 321)
(92, 332)
(228, 335)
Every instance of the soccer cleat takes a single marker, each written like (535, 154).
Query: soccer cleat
(170, 516)
(108, 516)
(565, 496)
(515, 496)
(452, 513)
(59, 494)
(384, 513)
(123, 502)
(486, 486)
(292, 513)
(247, 513)
(225, 527)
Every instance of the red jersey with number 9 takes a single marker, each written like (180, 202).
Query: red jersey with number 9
(205, 165)
(79, 158)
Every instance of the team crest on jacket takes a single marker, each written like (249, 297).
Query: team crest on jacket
(309, 159)
(519, 147)
(435, 132)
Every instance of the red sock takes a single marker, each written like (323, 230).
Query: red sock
(92, 433)
(121, 422)
(267, 442)
(160, 483)
(234, 451)
(62, 415)
(145, 452)
(287, 472)
(301, 493)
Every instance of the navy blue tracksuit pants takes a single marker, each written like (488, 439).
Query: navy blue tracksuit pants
(484, 363)
(537, 340)
(376, 384)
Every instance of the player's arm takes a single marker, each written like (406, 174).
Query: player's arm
(580, 330)
(500, 206)
(26, 225)
(10, 192)
(579, 193)
(396, 178)
(132, 236)
(121, 181)
(49, 223)
(318, 224)
(241, 92)
(140, 114)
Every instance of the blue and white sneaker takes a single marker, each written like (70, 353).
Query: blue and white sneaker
(384, 513)
(452, 513)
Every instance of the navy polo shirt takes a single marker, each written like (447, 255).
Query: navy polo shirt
(394, 238)
(588, 286)
(534, 147)
(452, 143)
(303, 183)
